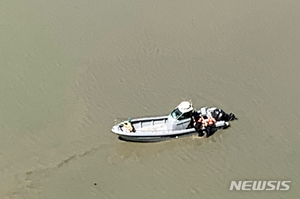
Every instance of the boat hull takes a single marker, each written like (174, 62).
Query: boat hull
(153, 138)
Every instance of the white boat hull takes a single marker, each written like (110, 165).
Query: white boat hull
(153, 129)
(174, 125)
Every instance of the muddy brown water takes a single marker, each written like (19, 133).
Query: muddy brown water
(69, 69)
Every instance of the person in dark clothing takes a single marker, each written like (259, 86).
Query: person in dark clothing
(207, 131)
(198, 128)
(197, 123)
(194, 117)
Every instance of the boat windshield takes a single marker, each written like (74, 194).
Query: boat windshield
(176, 113)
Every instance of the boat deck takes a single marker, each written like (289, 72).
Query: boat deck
(151, 125)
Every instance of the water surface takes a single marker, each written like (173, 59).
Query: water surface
(70, 69)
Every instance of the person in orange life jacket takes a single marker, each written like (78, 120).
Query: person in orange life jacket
(204, 125)
(213, 117)
(199, 123)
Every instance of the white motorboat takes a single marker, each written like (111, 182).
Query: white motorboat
(151, 129)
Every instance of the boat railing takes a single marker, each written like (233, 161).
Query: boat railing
(165, 130)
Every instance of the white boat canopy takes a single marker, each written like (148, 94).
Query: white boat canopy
(185, 106)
